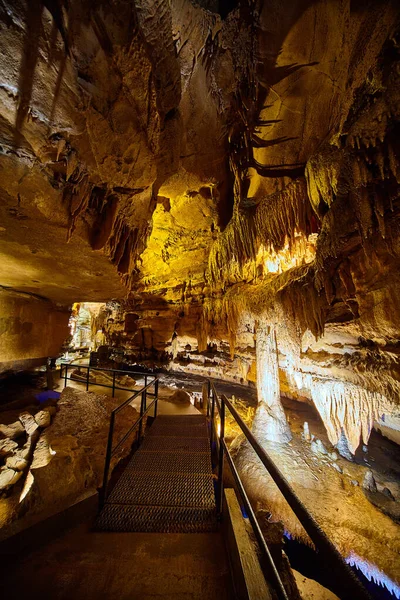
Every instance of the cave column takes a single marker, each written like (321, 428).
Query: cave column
(270, 420)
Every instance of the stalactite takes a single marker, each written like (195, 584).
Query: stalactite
(343, 406)
(372, 573)
(322, 176)
(202, 333)
(274, 222)
(235, 246)
(280, 215)
(77, 193)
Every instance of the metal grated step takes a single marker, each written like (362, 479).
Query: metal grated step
(171, 462)
(164, 489)
(182, 419)
(156, 519)
(192, 431)
(175, 444)
(168, 484)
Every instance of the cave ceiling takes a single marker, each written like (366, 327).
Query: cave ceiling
(179, 149)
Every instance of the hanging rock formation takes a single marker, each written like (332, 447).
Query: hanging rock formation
(209, 168)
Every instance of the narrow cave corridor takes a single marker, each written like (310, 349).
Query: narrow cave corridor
(199, 314)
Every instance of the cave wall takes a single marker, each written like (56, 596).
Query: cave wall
(220, 171)
(31, 329)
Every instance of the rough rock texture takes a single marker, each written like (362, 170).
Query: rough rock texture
(31, 329)
(211, 176)
(180, 397)
(312, 590)
(66, 461)
(230, 166)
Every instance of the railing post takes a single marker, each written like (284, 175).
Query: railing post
(145, 380)
(156, 396)
(103, 495)
(66, 371)
(221, 459)
(87, 379)
(208, 397)
(113, 387)
(141, 415)
(212, 418)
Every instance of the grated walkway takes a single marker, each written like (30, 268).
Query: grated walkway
(168, 486)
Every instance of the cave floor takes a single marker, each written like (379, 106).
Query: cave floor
(86, 565)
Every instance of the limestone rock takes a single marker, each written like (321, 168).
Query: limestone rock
(337, 467)
(43, 418)
(312, 590)
(333, 456)
(7, 447)
(68, 458)
(369, 483)
(8, 477)
(180, 397)
(273, 533)
(318, 447)
(386, 492)
(12, 431)
(270, 424)
(51, 409)
(16, 462)
(306, 432)
(28, 422)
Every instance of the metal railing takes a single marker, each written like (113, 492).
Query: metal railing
(144, 410)
(64, 375)
(144, 393)
(350, 586)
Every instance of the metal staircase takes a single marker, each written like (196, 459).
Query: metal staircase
(168, 485)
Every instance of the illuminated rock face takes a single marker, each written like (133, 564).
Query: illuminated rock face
(269, 421)
(218, 169)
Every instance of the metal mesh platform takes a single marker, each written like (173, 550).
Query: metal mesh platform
(168, 485)
(181, 419)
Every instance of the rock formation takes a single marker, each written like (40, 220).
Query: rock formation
(231, 164)
(59, 457)
(224, 179)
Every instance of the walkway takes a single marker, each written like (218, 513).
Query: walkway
(87, 564)
(168, 484)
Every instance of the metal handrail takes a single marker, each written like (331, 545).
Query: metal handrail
(351, 587)
(144, 409)
(90, 368)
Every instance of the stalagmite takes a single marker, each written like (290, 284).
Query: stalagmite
(269, 421)
(306, 432)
